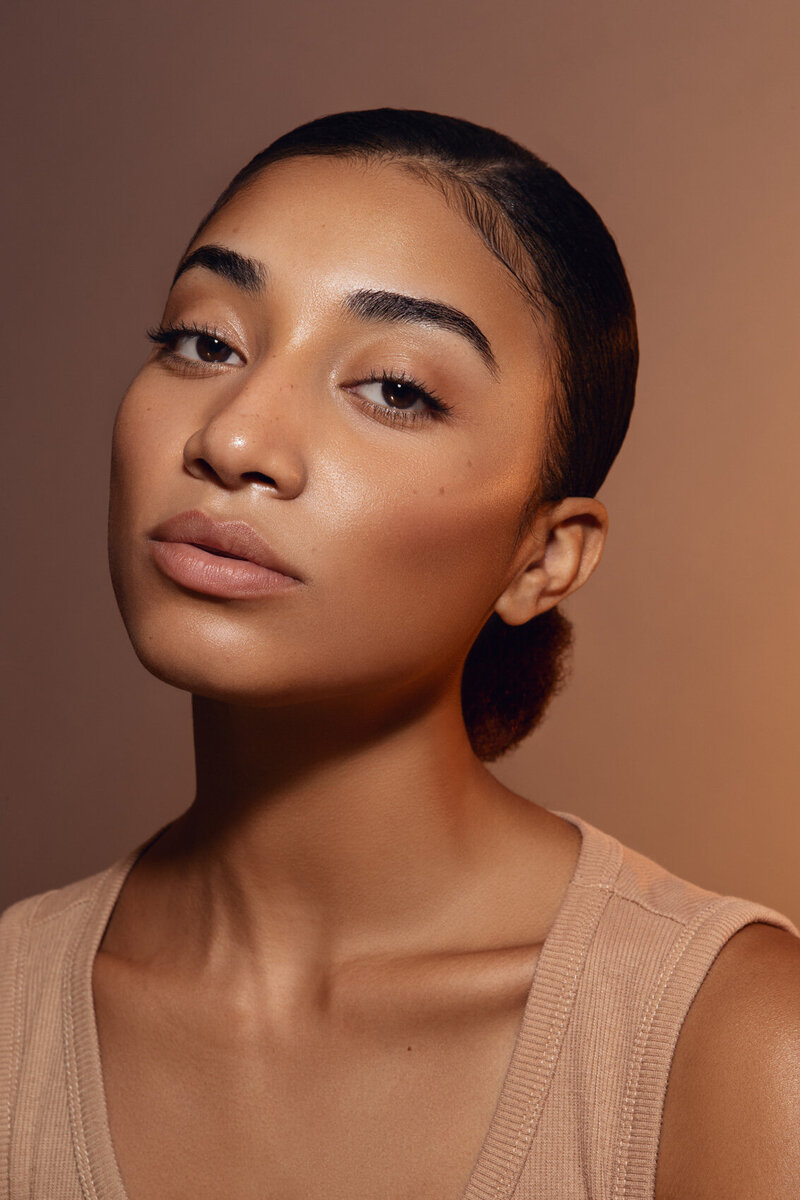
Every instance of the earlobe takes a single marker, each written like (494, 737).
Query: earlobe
(560, 555)
(520, 601)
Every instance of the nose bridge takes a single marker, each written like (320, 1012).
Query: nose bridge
(255, 429)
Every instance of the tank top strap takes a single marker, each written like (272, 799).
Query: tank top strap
(641, 954)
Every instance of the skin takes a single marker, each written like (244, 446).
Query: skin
(352, 898)
(732, 1109)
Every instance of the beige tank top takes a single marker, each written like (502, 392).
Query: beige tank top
(579, 1112)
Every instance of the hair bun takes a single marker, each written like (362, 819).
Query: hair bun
(510, 675)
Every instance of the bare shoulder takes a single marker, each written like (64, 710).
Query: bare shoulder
(732, 1108)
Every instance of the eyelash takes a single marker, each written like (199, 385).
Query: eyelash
(436, 407)
(167, 337)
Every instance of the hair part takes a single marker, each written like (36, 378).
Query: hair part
(567, 266)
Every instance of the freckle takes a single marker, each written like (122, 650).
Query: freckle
(469, 462)
(409, 1047)
(441, 491)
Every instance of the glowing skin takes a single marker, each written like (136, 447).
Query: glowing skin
(404, 533)
(346, 853)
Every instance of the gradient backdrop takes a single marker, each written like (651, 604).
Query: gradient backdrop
(678, 733)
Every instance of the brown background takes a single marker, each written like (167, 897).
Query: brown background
(678, 121)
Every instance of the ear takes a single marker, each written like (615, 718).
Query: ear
(557, 556)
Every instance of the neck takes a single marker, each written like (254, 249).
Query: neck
(316, 837)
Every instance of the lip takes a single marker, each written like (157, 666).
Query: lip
(219, 558)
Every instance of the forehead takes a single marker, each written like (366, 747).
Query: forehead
(326, 226)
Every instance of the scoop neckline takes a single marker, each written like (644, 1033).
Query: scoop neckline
(539, 1038)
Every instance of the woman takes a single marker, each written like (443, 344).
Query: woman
(350, 486)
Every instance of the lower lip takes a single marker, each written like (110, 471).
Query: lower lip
(213, 575)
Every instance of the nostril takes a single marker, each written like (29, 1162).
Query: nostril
(258, 477)
(204, 467)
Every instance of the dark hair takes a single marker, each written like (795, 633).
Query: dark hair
(567, 265)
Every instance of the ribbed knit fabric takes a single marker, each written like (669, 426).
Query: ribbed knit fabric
(579, 1113)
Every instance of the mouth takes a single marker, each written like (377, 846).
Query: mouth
(227, 559)
(219, 553)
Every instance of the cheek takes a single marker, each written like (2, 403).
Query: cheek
(150, 434)
(130, 445)
(423, 559)
(143, 461)
(144, 438)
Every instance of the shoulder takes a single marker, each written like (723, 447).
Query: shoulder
(37, 929)
(32, 911)
(44, 923)
(732, 1107)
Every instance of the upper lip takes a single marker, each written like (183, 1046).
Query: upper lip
(232, 537)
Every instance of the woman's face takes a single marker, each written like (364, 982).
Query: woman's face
(396, 517)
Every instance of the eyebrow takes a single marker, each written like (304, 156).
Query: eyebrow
(251, 276)
(393, 306)
(246, 273)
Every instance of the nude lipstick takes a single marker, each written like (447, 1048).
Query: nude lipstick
(219, 558)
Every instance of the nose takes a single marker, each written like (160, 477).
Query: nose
(250, 438)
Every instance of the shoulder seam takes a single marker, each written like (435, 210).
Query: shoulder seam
(60, 913)
(656, 912)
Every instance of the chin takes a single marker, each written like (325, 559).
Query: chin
(207, 656)
(226, 682)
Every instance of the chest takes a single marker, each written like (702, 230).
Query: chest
(384, 1099)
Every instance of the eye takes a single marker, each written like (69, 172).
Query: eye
(202, 347)
(395, 397)
(396, 393)
(195, 345)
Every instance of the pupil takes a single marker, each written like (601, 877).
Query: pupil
(399, 395)
(211, 349)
